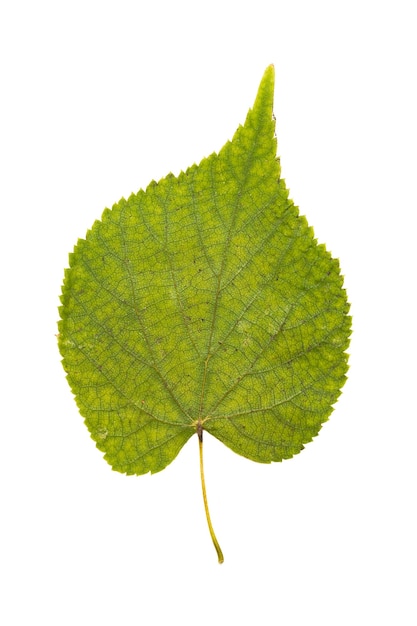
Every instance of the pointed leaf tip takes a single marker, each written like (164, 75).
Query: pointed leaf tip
(259, 127)
(265, 95)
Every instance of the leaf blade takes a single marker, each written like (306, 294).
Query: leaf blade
(205, 301)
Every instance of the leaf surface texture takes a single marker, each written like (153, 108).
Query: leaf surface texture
(205, 302)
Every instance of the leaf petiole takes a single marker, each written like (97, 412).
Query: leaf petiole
(203, 487)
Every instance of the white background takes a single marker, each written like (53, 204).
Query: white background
(97, 99)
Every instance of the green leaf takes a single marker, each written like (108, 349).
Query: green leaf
(205, 304)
